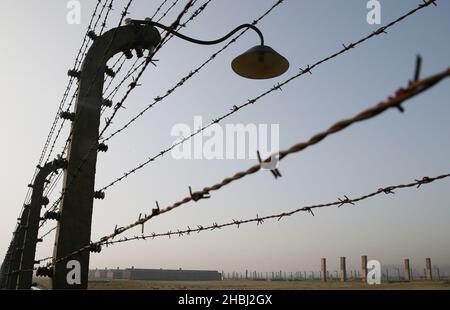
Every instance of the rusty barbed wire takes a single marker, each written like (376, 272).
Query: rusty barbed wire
(394, 101)
(191, 74)
(249, 102)
(260, 220)
(401, 96)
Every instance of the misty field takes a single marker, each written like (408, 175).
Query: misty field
(257, 285)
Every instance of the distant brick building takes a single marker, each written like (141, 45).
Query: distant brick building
(100, 273)
(114, 274)
(155, 275)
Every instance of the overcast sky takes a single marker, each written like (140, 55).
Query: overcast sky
(39, 46)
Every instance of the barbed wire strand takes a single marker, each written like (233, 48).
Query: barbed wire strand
(47, 233)
(101, 13)
(249, 102)
(159, 9)
(401, 96)
(110, 8)
(75, 94)
(61, 104)
(134, 68)
(260, 220)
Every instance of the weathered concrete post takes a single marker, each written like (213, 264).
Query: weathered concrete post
(429, 272)
(30, 241)
(323, 269)
(364, 268)
(74, 228)
(5, 268)
(343, 269)
(17, 250)
(407, 270)
(8, 259)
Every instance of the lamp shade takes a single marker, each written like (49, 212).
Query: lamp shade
(260, 62)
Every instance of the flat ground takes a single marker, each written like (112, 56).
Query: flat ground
(257, 285)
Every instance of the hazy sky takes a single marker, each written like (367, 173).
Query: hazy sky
(39, 47)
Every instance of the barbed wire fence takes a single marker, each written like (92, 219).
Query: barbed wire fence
(182, 82)
(236, 108)
(77, 63)
(131, 87)
(73, 73)
(260, 220)
(72, 81)
(55, 177)
(400, 97)
(135, 72)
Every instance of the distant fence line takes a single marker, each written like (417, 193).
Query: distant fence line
(389, 273)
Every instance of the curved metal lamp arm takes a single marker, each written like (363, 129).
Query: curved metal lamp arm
(181, 36)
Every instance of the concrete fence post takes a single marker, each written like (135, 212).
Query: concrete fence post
(323, 269)
(429, 272)
(364, 268)
(343, 269)
(407, 270)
